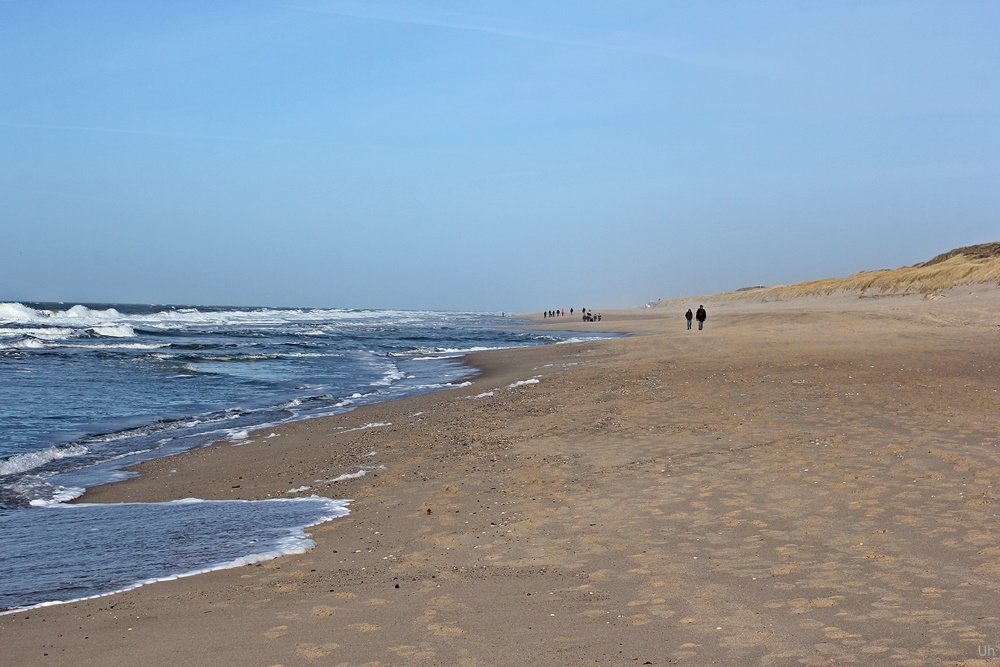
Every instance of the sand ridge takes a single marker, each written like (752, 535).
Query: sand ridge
(800, 483)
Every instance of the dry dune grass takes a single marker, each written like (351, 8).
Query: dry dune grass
(964, 266)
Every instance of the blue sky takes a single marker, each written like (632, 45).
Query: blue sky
(486, 155)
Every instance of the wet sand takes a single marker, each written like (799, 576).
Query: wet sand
(803, 482)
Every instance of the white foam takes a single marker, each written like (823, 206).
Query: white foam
(62, 495)
(15, 312)
(35, 343)
(348, 401)
(364, 470)
(51, 333)
(84, 313)
(521, 383)
(19, 463)
(435, 385)
(120, 346)
(345, 476)
(391, 375)
(367, 426)
(26, 344)
(327, 321)
(298, 489)
(114, 330)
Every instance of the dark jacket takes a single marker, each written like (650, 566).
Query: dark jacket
(688, 315)
(702, 315)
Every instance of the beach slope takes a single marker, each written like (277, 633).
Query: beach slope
(806, 481)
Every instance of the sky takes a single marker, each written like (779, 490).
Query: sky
(489, 156)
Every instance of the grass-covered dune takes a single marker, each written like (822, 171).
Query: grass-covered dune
(971, 265)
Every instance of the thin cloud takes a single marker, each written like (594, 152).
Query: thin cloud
(408, 19)
(127, 131)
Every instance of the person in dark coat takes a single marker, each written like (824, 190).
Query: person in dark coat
(701, 316)
(690, 316)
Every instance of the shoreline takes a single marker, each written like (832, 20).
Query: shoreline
(484, 370)
(797, 483)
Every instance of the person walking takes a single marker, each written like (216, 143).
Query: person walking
(701, 316)
(689, 316)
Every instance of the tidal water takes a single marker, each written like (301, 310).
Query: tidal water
(88, 389)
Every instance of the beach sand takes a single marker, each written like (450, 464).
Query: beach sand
(810, 481)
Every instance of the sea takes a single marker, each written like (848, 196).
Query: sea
(89, 389)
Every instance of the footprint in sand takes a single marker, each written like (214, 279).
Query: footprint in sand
(364, 627)
(276, 631)
(445, 630)
(323, 611)
(315, 651)
(782, 570)
(831, 601)
(833, 632)
(414, 653)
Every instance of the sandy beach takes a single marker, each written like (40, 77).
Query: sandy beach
(810, 481)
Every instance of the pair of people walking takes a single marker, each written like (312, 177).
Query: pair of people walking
(701, 316)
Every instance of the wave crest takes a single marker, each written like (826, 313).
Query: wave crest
(19, 463)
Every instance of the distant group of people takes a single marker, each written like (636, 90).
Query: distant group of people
(701, 316)
(588, 316)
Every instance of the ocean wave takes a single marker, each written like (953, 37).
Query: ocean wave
(575, 339)
(22, 314)
(46, 333)
(112, 331)
(187, 364)
(26, 343)
(251, 356)
(33, 343)
(16, 312)
(20, 463)
(116, 346)
(456, 350)
(60, 495)
(389, 377)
